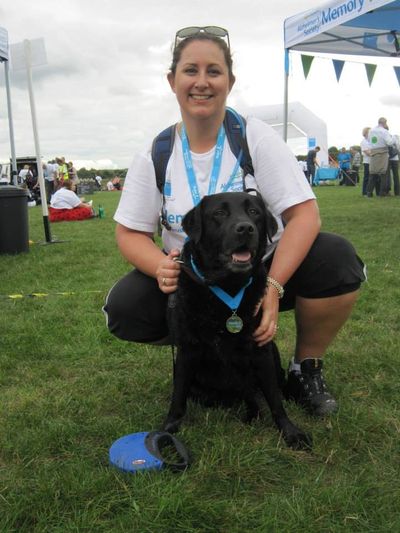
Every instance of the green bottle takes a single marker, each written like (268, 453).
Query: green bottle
(101, 212)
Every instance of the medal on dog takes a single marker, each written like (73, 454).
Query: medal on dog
(234, 323)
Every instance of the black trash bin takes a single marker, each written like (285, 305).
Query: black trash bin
(14, 234)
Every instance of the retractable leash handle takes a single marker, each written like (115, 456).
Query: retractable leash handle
(157, 441)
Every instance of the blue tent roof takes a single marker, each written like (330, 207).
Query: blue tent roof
(360, 27)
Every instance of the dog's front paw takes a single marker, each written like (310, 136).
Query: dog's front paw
(172, 425)
(296, 438)
(299, 441)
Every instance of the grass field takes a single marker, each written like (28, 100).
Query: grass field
(69, 389)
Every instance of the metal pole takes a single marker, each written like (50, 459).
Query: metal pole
(45, 211)
(286, 97)
(10, 125)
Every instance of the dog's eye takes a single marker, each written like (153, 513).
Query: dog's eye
(253, 211)
(220, 213)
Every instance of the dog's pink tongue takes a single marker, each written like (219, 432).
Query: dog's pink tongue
(241, 257)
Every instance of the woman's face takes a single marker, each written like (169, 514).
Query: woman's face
(201, 81)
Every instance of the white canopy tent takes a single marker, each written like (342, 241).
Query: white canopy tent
(302, 125)
(350, 27)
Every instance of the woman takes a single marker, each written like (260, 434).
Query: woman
(66, 205)
(366, 152)
(73, 176)
(320, 273)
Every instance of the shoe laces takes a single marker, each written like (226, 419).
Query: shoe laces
(314, 383)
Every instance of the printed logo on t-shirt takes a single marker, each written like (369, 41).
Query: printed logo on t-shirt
(167, 188)
(236, 184)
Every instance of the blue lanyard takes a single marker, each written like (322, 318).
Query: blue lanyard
(187, 158)
(232, 302)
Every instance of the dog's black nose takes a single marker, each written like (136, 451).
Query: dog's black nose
(244, 228)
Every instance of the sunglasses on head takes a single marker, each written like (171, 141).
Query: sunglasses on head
(191, 31)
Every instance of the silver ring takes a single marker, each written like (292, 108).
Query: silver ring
(164, 281)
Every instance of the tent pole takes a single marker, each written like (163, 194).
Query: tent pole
(10, 125)
(286, 96)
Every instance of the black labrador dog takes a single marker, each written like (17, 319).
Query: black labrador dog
(212, 317)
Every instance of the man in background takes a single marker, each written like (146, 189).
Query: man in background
(380, 140)
(312, 163)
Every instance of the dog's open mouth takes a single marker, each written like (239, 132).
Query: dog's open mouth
(241, 257)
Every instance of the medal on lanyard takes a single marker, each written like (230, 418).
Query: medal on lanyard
(234, 324)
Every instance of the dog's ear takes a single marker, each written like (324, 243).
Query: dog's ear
(270, 220)
(192, 225)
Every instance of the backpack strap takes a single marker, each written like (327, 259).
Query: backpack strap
(161, 151)
(235, 129)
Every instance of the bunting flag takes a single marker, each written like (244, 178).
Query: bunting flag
(338, 66)
(397, 72)
(306, 61)
(370, 72)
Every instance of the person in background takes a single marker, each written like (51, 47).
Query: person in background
(50, 178)
(110, 186)
(366, 152)
(303, 166)
(344, 160)
(393, 166)
(355, 162)
(99, 180)
(379, 139)
(312, 163)
(317, 274)
(24, 174)
(66, 205)
(116, 181)
(73, 176)
(62, 171)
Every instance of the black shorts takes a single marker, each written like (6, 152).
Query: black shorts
(135, 307)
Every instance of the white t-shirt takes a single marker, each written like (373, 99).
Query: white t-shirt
(396, 144)
(278, 179)
(365, 145)
(64, 199)
(110, 186)
(379, 137)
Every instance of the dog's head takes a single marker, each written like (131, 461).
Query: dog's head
(228, 233)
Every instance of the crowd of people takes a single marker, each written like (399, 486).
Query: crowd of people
(61, 184)
(377, 156)
(380, 150)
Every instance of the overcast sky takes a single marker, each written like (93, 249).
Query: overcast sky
(103, 93)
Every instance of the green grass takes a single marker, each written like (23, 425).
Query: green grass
(69, 389)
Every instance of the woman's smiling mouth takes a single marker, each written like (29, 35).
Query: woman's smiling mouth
(200, 96)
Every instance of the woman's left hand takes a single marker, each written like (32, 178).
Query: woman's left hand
(268, 327)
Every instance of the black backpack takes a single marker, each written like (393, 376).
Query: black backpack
(235, 129)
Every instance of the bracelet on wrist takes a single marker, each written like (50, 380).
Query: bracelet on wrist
(276, 285)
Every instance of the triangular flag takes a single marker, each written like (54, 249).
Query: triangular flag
(306, 61)
(397, 72)
(338, 66)
(370, 72)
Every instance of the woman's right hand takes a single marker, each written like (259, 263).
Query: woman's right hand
(168, 272)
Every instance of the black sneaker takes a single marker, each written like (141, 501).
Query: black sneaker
(308, 389)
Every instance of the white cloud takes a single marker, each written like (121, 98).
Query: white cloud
(103, 93)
